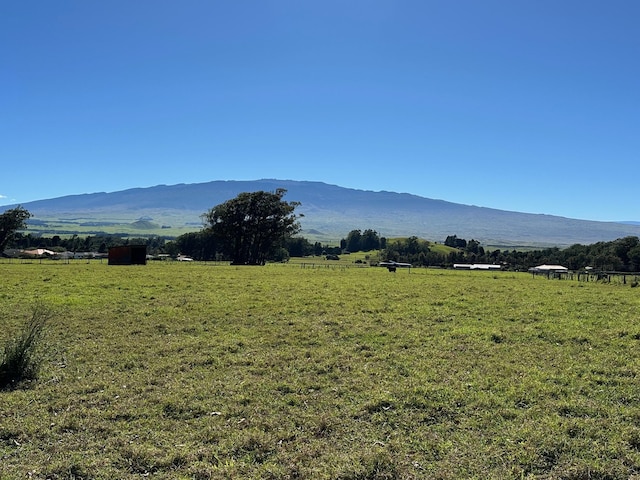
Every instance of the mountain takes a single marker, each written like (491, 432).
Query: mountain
(330, 212)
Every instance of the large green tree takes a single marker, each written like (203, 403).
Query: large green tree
(251, 226)
(354, 239)
(11, 221)
(370, 240)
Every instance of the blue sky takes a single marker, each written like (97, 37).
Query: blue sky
(531, 106)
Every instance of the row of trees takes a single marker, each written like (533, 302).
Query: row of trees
(619, 255)
(90, 243)
(472, 246)
(412, 250)
(359, 241)
(204, 245)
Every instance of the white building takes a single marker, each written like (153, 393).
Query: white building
(549, 269)
(476, 266)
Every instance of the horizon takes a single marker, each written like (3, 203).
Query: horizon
(527, 108)
(3, 206)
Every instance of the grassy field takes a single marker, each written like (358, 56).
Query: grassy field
(282, 372)
(67, 229)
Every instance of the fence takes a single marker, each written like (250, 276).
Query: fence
(622, 278)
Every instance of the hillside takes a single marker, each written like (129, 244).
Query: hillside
(330, 212)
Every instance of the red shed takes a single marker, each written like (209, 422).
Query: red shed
(128, 255)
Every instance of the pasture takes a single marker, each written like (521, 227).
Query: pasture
(176, 370)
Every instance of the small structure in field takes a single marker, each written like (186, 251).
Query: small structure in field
(39, 252)
(544, 269)
(550, 271)
(476, 266)
(128, 255)
(391, 265)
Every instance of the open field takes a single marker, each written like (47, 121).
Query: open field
(198, 371)
(50, 226)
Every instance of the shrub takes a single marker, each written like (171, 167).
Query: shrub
(20, 360)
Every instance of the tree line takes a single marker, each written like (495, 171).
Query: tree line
(621, 255)
(89, 243)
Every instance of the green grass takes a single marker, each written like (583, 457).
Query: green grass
(356, 259)
(98, 222)
(125, 229)
(200, 371)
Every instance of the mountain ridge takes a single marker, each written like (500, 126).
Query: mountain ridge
(333, 211)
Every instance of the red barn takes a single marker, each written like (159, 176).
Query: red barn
(128, 255)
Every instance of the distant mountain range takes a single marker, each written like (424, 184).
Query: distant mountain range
(330, 212)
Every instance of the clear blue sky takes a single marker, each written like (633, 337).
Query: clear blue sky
(532, 106)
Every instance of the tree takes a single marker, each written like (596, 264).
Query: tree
(252, 225)
(354, 239)
(450, 241)
(11, 221)
(298, 247)
(412, 250)
(634, 258)
(623, 246)
(473, 246)
(369, 240)
(455, 242)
